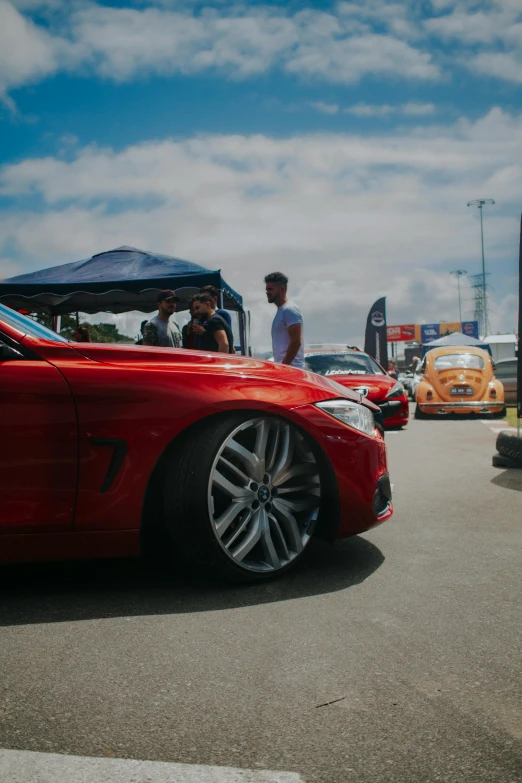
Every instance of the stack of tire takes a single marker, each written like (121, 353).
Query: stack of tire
(509, 449)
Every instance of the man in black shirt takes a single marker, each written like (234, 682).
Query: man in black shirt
(216, 334)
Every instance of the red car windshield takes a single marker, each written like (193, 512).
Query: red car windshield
(28, 325)
(342, 364)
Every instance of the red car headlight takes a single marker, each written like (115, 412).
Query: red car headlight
(397, 390)
(357, 416)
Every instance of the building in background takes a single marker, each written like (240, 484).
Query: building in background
(503, 346)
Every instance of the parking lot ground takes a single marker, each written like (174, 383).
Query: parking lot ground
(393, 657)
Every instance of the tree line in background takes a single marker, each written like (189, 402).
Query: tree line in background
(100, 333)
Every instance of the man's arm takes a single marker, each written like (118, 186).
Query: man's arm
(222, 341)
(295, 333)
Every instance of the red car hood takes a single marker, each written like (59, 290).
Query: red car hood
(378, 386)
(198, 361)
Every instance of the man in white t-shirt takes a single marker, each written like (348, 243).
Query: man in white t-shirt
(287, 326)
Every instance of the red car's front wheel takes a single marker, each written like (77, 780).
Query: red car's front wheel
(244, 496)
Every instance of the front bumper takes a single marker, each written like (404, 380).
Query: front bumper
(461, 405)
(395, 411)
(358, 463)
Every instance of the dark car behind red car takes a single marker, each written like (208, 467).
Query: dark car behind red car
(360, 372)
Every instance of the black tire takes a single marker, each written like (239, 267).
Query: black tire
(187, 503)
(500, 414)
(509, 446)
(419, 414)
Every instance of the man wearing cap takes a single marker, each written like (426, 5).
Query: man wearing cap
(160, 330)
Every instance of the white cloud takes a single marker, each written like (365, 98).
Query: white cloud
(467, 27)
(367, 110)
(385, 110)
(127, 42)
(503, 66)
(350, 42)
(347, 60)
(325, 108)
(348, 217)
(237, 41)
(490, 37)
(27, 53)
(418, 109)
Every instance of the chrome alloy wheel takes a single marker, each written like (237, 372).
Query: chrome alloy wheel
(264, 494)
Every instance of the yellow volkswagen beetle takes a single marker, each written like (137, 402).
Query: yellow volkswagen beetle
(458, 380)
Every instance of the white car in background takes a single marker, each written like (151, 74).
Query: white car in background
(416, 378)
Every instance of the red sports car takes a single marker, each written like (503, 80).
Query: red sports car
(358, 371)
(106, 448)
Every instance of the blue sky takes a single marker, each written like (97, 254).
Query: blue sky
(338, 142)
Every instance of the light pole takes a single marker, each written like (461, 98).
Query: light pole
(458, 274)
(479, 203)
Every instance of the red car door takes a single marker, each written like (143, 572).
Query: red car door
(39, 445)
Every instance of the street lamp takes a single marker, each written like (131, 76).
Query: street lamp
(458, 274)
(479, 203)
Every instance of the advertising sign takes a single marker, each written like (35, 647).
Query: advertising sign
(402, 333)
(375, 342)
(448, 327)
(425, 333)
(470, 329)
(429, 332)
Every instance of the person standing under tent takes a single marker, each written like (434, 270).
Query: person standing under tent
(216, 334)
(189, 337)
(160, 330)
(214, 293)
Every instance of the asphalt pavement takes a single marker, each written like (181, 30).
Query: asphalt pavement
(393, 657)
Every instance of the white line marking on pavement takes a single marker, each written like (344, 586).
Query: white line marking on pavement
(25, 766)
(497, 427)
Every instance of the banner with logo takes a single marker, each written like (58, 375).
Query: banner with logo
(425, 333)
(400, 334)
(470, 329)
(429, 332)
(519, 363)
(375, 340)
(519, 376)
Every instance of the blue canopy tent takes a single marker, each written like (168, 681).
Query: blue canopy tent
(116, 281)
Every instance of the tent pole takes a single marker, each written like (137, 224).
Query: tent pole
(221, 299)
(242, 332)
(57, 323)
